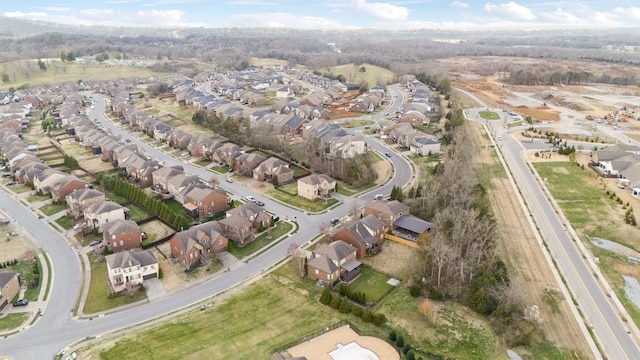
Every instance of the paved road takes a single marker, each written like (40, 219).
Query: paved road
(57, 327)
(602, 315)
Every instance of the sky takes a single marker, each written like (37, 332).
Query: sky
(335, 14)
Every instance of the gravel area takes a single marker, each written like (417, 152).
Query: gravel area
(615, 247)
(632, 289)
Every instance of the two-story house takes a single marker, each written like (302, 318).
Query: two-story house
(200, 242)
(80, 199)
(131, 268)
(366, 235)
(333, 261)
(121, 235)
(316, 186)
(97, 215)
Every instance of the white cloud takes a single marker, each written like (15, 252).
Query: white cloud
(282, 20)
(57, 8)
(27, 15)
(460, 4)
(632, 13)
(559, 16)
(510, 10)
(382, 10)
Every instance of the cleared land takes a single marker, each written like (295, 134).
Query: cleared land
(12, 247)
(372, 74)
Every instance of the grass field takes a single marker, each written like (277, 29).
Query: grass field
(372, 283)
(13, 321)
(98, 296)
(489, 115)
(357, 123)
(261, 241)
(38, 198)
(281, 308)
(372, 74)
(137, 214)
(65, 222)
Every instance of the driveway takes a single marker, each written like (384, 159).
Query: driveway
(154, 288)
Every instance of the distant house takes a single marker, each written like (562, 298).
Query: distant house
(333, 261)
(80, 199)
(425, 145)
(121, 235)
(131, 268)
(198, 243)
(316, 186)
(65, 186)
(9, 287)
(366, 235)
(97, 215)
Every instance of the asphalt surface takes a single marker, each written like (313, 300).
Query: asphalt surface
(57, 328)
(600, 314)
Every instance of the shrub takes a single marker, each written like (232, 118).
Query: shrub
(160, 274)
(345, 306)
(325, 297)
(335, 300)
(411, 355)
(379, 319)
(392, 335)
(367, 315)
(356, 310)
(406, 348)
(400, 341)
(435, 293)
(415, 290)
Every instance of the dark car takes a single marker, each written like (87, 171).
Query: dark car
(387, 154)
(21, 302)
(10, 183)
(259, 203)
(334, 221)
(95, 242)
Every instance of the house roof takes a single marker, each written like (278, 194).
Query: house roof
(85, 194)
(351, 265)
(336, 250)
(5, 277)
(413, 224)
(324, 264)
(119, 226)
(316, 179)
(387, 206)
(103, 207)
(196, 234)
(127, 259)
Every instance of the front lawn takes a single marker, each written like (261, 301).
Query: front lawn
(372, 283)
(65, 222)
(53, 208)
(219, 169)
(261, 241)
(13, 320)
(285, 193)
(30, 277)
(38, 198)
(98, 298)
(357, 123)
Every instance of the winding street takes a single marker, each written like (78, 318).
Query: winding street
(57, 328)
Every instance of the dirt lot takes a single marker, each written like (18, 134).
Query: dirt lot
(12, 247)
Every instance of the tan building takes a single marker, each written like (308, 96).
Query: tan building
(9, 287)
(316, 186)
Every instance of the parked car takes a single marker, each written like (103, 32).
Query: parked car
(229, 180)
(10, 183)
(259, 203)
(185, 154)
(378, 197)
(250, 198)
(95, 242)
(6, 175)
(21, 302)
(334, 221)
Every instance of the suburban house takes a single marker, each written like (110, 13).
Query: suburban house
(65, 186)
(131, 267)
(121, 235)
(316, 186)
(614, 159)
(425, 145)
(80, 199)
(333, 261)
(198, 243)
(246, 162)
(200, 202)
(45, 180)
(161, 176)
(388, 211)
(97, 215)
(9, 287)
(366, 235)
(347, 147)
(273, 168)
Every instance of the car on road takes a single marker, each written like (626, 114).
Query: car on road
(387, 154)
(334, 221)
(378, 197)
(95, 242)
(250, 198)
(10, 183)
(386, 114)
(259, 203)
(229, 180)
(21, 302)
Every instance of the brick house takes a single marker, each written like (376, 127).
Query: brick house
(80, 199)
(273, 167)
(121, 235)
(65, 186)
(198, 242)
(201, 202)
(366, 235)
(388, 211)
(333, 261)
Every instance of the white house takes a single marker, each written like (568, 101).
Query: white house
(98, 214)
(131, 267)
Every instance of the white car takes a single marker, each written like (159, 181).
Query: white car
(378, 197)
(250, 198)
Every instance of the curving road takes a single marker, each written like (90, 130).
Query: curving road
(57, 327)
(600, 314)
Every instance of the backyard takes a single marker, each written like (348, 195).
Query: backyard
(261, 241)
(372, 283)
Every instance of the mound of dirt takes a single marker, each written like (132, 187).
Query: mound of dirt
(538, 113)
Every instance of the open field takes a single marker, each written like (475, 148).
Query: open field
(58, 72)
(12, 247)
(281, 310)
(372, 75)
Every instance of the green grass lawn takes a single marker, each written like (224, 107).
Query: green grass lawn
(137, 214)
(372, 283)
(13, 320)
(219, 169)
(489, 115)
(175, 205)
(98, 296)
(372, 74)
(203, 162)
(342, 190)
(51, 209)
(261, 241)
(297, 171)
(38, 198)
(285, 195)
(29, 277)
(357, 123)
(65, 222)
(20, 189)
